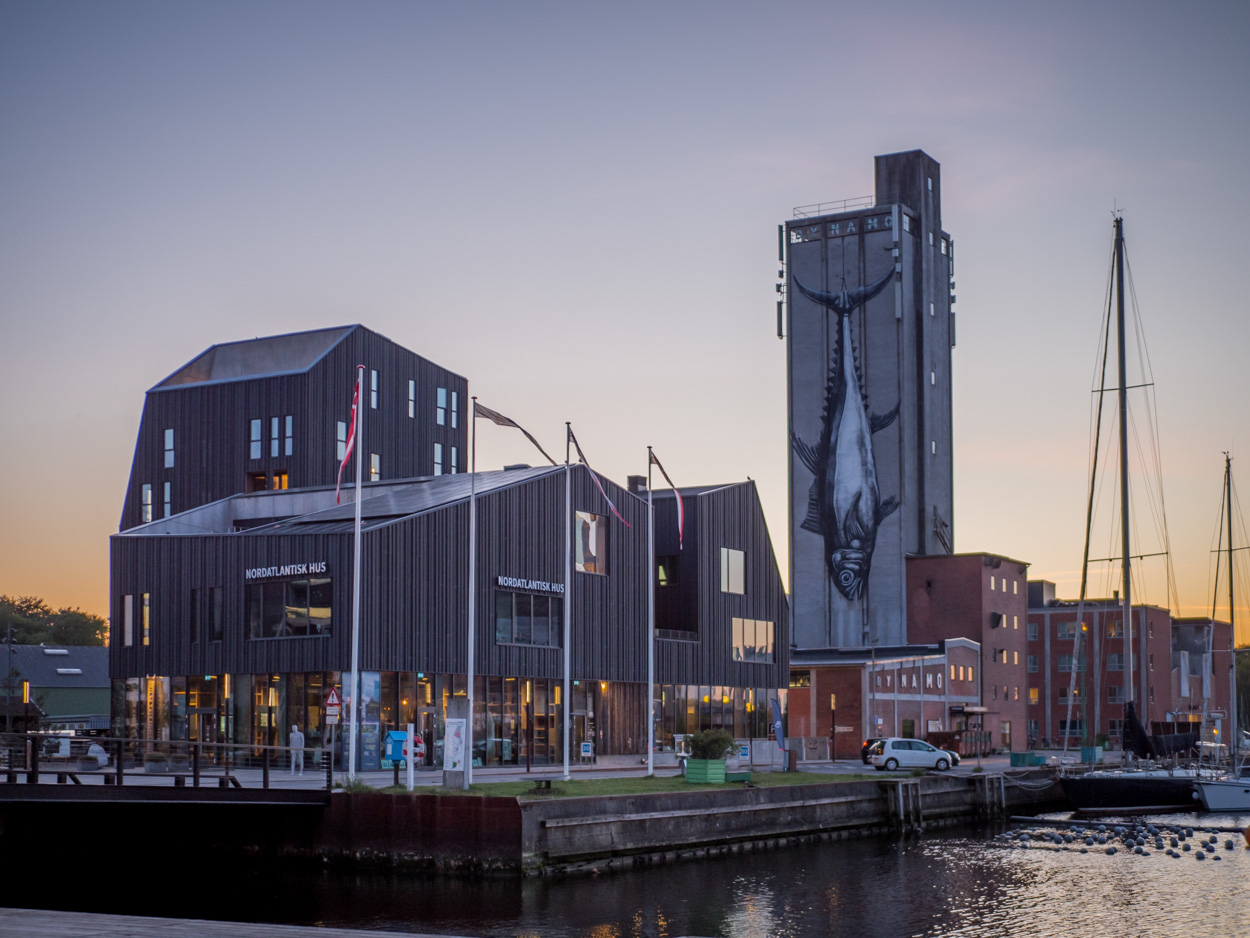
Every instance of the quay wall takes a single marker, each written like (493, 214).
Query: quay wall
(509, 836)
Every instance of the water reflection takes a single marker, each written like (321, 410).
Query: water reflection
(963, 884)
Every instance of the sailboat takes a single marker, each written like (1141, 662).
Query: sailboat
(1233, 792)
(1125, 790)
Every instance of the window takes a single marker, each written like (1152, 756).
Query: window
(1115, 661)
(254, 436)
(1068, 662)
(1115, 727)
(1152, 661)
(930, 309)
(145, 616)
(1015, 587)
(440, 407)
(970, 677)
(279, 481)
(933, 447)
(961, 672)
(288, 435)
(373, 389)
(993, 582)
(1071, 727)
(800, 678)
(455, 456)
(1015, 657)
(666, 571)
(438, 459)
(340, 440)
(214, 613)
(146, 503)
(1015, 623)
(375, 467)
(128, 620)
(1031, 630)
(1152, 695)
(1015, 695)
(288, 608)
(590, 532)
(932, 377)
(1032, 664)
(1115, 630)
(169, 449)
(528, 619)
(945, 249)
(1063, 694)
(906, 222)
(952, 672)
(455, 409)
(753, 640)
(994, 690)
(1065, 631)
(1115, 694)
(1034, 696)
(1005, 726)
(412, 398)
(168, 503)
(275, 442)
(732, 571)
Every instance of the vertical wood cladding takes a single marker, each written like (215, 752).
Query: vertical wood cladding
(211, 425)
(414, 578)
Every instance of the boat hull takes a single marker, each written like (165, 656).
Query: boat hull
(1225, 794)
(1111, 793)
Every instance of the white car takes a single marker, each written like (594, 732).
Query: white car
(898, 753)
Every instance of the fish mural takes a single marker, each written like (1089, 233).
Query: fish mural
(845, 505)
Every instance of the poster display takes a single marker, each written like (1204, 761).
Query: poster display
(453, 745)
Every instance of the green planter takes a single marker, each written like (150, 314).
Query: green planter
(705, 771)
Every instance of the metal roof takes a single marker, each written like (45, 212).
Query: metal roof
(255, 358)
(61, 665)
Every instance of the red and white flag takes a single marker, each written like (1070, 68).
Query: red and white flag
(681, 510)
(494, 416)
(351, 440)
(595, 478)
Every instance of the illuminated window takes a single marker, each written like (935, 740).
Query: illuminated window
(145, 502)
(279, 481)
(590, 548)
(375, 467)
(1034, 696)
(753, 640)
(1015, 657)
(666, 571)
(169, 449)
(732, 571)
(1115, 630)
(1015, 692)
(970, 677)
(1015, 620)
(952, 672)
(961, 672)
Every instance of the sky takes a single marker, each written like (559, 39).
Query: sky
(575, 206)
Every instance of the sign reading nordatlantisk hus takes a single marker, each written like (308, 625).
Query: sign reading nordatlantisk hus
(289, 569)
(537, 586)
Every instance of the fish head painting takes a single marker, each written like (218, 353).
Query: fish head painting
(845, 506)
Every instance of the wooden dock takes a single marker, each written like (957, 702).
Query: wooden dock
(39, 923)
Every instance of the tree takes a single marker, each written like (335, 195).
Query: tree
(33, 621)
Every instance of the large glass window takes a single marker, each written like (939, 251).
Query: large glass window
(288, 434)
(440, 407)
(168, 501)
(128, 620)
(732, 571)
(169, 449)
(590, 535)
(375, 467)
(455, 409)
(1065, 631)
(254, 431)
(373, 389)
(340, 440)
(753, 640)
(288, 608)
(528, 618)
(275, 436)
(1115, 661)
(145, 616)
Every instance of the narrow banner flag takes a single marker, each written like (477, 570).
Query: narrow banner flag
(681, 511)
(777, 730)
(495, 417)
(351, 442)
(595, 478)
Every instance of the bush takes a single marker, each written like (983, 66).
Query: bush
(711, 744)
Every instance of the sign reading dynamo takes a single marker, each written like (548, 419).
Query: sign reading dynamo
(537, 586)
(289, 569)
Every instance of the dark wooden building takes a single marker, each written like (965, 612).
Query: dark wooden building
(273, 413)
(233, 620)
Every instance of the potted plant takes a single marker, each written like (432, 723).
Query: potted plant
(708, 750)
(179, 762)
(155, 762)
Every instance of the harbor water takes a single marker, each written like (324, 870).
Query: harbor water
(969, 882)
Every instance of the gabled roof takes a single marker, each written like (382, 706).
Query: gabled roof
(61, 666)
(257, 358)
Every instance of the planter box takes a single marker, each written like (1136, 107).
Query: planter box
(704, 771)
(154, 766)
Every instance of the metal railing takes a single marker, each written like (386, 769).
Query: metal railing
(832, 208)
(109, 760)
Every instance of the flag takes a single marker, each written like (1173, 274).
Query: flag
(777, 730)
(495, 417)
(598, 485)
(351, 440)
(681, 511)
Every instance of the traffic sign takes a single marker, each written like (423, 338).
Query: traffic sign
(333, 706)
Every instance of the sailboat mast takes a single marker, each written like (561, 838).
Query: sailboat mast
(1234, 736)
(1124, 521)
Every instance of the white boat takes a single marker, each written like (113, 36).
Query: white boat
(1225, 794)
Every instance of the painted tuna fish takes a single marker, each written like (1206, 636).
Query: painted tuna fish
(845, 506)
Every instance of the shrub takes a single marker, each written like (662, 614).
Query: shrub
(711, 744)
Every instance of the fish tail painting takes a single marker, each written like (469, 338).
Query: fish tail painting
(845, 506)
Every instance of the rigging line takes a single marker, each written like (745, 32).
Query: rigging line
(1089, 510)
(1220, 528)
(1154, 489)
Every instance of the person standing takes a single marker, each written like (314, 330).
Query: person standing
(297, 749)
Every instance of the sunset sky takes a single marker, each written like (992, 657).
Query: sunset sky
(563, 201)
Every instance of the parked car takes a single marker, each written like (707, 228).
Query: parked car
(866, 751)
(897, 753)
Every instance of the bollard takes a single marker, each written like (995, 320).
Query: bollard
(32, 777)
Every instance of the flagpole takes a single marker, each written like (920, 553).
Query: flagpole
(650, 623)
(568, 592)
(358, 445)
(468, 763)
